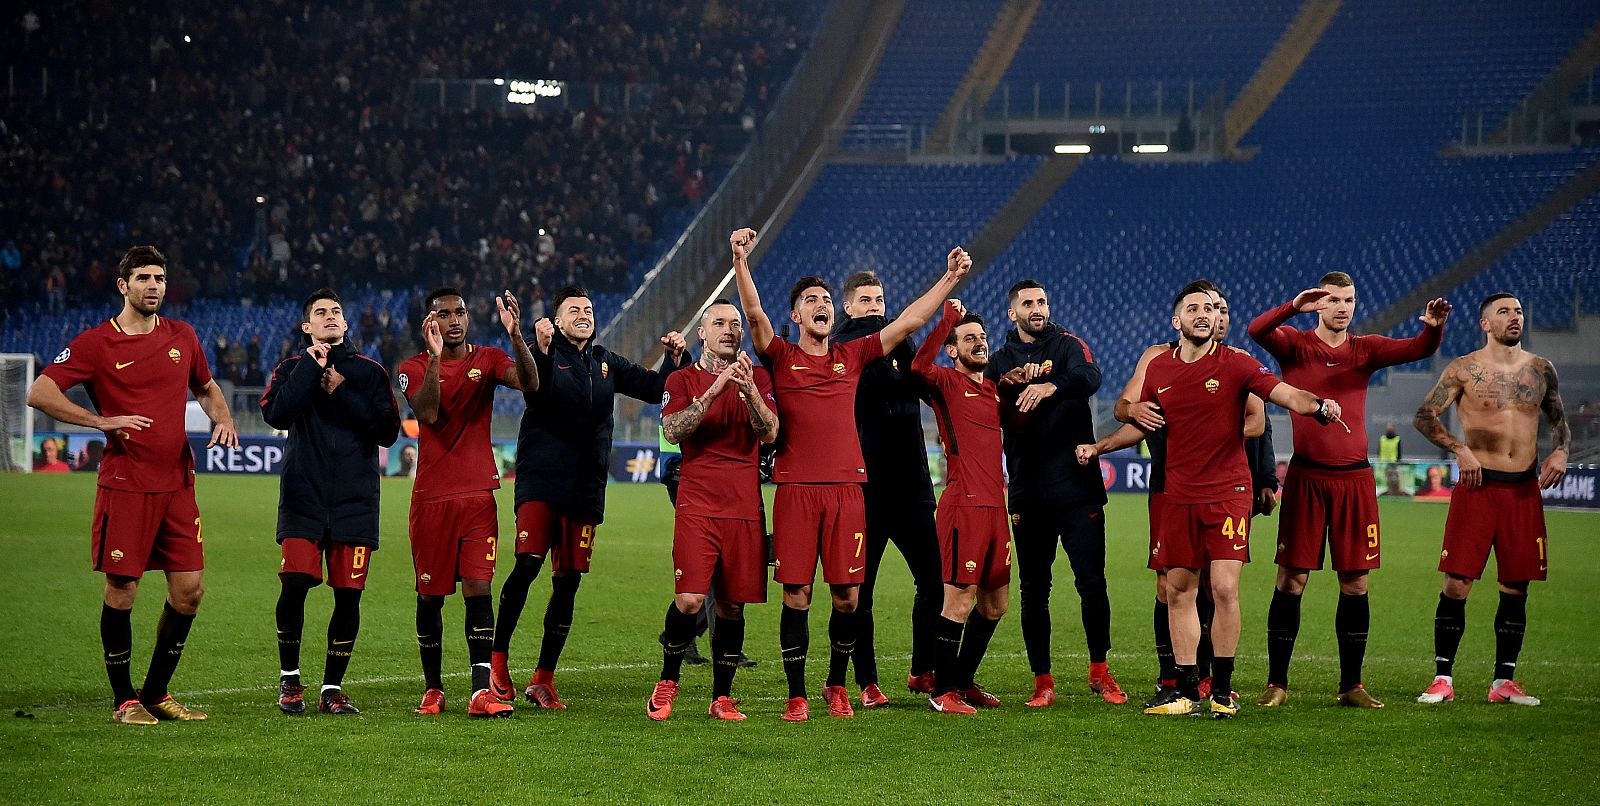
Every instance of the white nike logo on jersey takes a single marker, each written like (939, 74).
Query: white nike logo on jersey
(1333, 363)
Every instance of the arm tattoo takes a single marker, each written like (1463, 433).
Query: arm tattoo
(761, 419)
(1427, 420)
(681, 424)
(1554, 411)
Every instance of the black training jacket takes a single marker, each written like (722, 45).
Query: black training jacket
(564, 444)
(329, 487)
(889, 418)
(1040, 446)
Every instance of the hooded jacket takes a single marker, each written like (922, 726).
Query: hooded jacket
(1041, 462)
(564, 443)
(329, 488)
(889, 418)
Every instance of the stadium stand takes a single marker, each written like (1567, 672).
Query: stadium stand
(932, 47)
(355, 188)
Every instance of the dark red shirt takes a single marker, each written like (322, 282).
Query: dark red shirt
(968, 413)
(1340, 373)
(149, 374)
(719, 477)
(1203, 404)
(818, 442)
(454, 454)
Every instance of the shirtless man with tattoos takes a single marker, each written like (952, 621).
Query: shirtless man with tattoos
(1500, 391)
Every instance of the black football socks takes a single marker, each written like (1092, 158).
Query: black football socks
(1449, 622)
(171, 633)
(430, 639)
(116, 641)
(558, 619)
(1351, 621)
(1283, 627)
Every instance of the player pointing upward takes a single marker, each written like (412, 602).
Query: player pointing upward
(818, 511)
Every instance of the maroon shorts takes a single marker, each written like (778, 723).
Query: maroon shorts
(1507, 516)
(453, 539)
(132, 533)
(1195, 535)
(1338, 508)
(541, 529)
(347, 564)
(974, 546)
(819, 520)
(727, 552)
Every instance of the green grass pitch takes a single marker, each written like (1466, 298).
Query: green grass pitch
(60, 745)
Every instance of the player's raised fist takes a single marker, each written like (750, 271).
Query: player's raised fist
(319, 353)
(675, 345)
(958, 262)
(961, 310)
(1436, 312)
(1311, 299)
(742, 240)
(543, 331)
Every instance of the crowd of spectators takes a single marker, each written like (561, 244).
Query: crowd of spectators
(269, 147)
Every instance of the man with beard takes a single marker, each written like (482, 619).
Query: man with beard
(974, 541)
(899, 497)
(139, 369)
(720, 411)
(1330, 497)
(818, 511)
(1201, 519)
(1046, 377)
(1499, 392)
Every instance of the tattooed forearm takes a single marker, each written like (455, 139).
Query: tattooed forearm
(1439, 398)
(762, 419)
(681, 424)
(1554, 411)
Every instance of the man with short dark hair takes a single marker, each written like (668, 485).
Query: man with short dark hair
(1330, 497)
(974, 541)
(1201, 519)
(1499, 392)
(899, 496)
(818, 511)
(563, 461)
(338, 408)
(453, 524)
(1046, 377)
(139, 369)
(720, 411)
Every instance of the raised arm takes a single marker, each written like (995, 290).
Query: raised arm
(524, 373)
(1127, 436)
(1129, 408)
(1555, 465)
(425, 399)
(1387, 352)
(929, 351)
(1304, 403)
(1444, 394)
(1267, 329)
(917, 314)
(761, 332)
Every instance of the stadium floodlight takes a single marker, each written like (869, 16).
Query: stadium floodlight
(499, 82)
(1150, 148)
(1072, 148)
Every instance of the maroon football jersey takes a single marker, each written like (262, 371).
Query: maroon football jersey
(1340, 373)
(719, 477)
(968, 413)
(454, 454)
(1203, 404)
(149, 374)
(818, 443)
